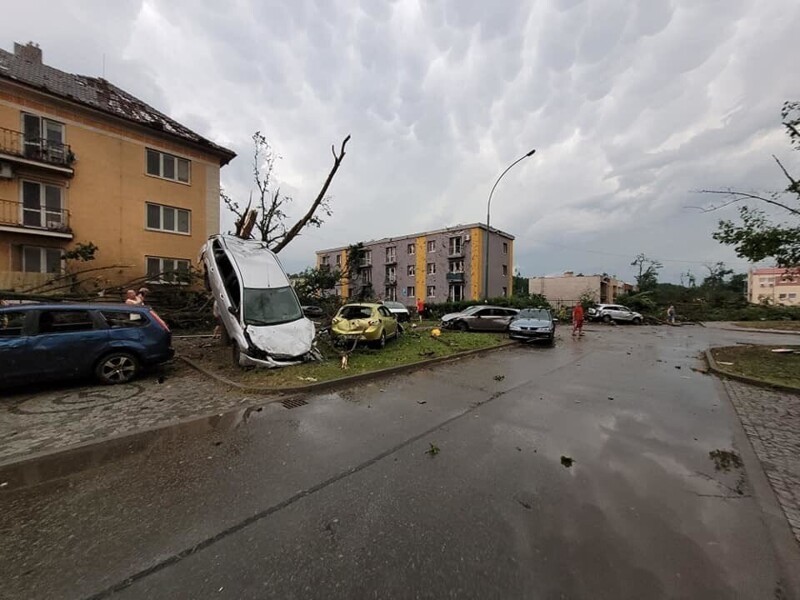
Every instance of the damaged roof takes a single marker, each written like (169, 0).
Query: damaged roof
(25, 66)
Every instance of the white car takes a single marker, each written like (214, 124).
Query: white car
(256, 303)
(613, 312)
(398, 310)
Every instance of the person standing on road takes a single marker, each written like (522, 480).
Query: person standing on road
(420, 308)
(671, 315)
(577, 320)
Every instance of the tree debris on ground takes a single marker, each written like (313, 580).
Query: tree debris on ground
(567, 461)
(433, 450)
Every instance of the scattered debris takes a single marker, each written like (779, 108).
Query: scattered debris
(4, 484)
(433, 450)
(217, 443)
(160, 379)
(611, 397)
(427, 353)
(699, 370)
(381, 390)
(567, 461)
(499, 377)
(312, 379)
(727, 364)
(783, 351)
(678, 367)
(422, 401)
(725, 460)
(519, 449)
(524, 504)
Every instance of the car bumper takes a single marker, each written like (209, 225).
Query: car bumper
(531, 335)
(245, 360)
(361, 336)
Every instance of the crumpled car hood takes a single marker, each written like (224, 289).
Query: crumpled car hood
(289, 339)
(531, 322)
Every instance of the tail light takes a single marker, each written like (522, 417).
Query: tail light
(159, 320)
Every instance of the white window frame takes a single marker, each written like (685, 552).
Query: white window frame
(391, 293)
(430, 291)
(42, 141)
(325, 261)
(455, 245)
(430, 268)
(431, 246)
(43, 212)
(160, 175)
(456, 266)
(505, 270)
(451, 292)
(505, 247)
(338, 260)
(366, 259)
(391, 254)
(412, 249)
(411, 270)
(161, 260)
(413, 290)
(161, 208)
(42, 259)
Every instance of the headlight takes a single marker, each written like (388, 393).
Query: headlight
(543, 329)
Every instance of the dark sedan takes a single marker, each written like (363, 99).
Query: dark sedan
(532, 324)
(61, 341)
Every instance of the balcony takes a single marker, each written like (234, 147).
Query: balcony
(456, 252)
(42, 220)
(455, 277)
(390, 280)
(36, 152)
(391, 260)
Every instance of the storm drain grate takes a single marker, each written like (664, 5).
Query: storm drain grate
(293, 402)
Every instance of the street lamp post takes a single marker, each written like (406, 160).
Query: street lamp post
(488, 209)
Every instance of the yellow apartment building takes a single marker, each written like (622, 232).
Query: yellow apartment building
(774, 286)
(81, 161)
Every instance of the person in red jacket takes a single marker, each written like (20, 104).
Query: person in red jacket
(577, 320)
(420, 308)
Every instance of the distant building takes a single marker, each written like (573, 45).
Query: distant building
(567, 289)
(445, 264)
(774, 286)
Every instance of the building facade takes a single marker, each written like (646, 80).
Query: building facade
(567, 289)
(773, 286)
(435, 266)
(83, 161)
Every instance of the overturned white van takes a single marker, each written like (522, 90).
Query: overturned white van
(256, 303)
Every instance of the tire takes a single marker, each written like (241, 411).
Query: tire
(381, 342)
(463, 326)
(551, 341)
(116, 368)
(606, 318)
(637, 321)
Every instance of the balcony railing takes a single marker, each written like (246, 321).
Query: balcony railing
(41, 150)
(37, 219)
(455, 277)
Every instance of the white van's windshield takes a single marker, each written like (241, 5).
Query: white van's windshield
(270, 306)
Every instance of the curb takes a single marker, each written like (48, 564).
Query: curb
(715, 368)
(334, 383)
(752, 330)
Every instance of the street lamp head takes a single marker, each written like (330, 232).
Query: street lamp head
(531, 153)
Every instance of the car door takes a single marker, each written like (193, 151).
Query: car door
(480, 320)
(389, 321)
(67, 342)
(508, 315)
(14, 341)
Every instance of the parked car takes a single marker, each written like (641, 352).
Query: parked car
(372, 323)
(480, 317)
(398, 310)
(257, 306)
(533, 324)
(613, 312)
(61, 341)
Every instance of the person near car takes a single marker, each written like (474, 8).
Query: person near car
(671, 314)
(131, 297)
(420, 308)
(142, 295)
(577, 320)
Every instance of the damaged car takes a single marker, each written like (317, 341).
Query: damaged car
(371, 323)
(256, 303)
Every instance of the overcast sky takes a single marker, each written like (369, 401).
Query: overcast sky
(631, 106)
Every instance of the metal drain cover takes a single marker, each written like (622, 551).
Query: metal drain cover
(293, 402)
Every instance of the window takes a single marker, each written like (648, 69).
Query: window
(325, 261)
(431, 269)
(167, 166)
(456, 266)
(792, 296)
(505, 247)
(411, 270)
(411, 291)
(782, 296)
(505, 291)
(456, 292)
(391, 254)
(167, 270)
(117, 319)
(391, 275)
(41, 260)
(366, 260)
(412, 249)
(270, 306)
(391, 293)
(43, 138)
(432, 246)
(431, 291)
(338, 260)
(505, 270)
(366, 275)
(65, 321)
(167, 218)
(42, 205)
(11, 324)
(454, 245)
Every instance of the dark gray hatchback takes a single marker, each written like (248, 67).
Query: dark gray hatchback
(61, 341)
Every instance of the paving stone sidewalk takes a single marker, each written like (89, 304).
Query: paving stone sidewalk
(771, 420)
(60, 416)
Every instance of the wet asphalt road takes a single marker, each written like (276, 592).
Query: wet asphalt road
(339, 499)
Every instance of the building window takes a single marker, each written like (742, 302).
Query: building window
(366, 275)
(168, 218)
(338, 260)
(432, 246)
(366, 259)
(411, 270)
(325, 261)
(431, 269)
(792, 296)
(456, 292)
(42, 205)
(412, 248)
(167, 270)
(505, 270)
(167, 166)
(391, 254)
(42, 260)
(505, 291)
(431, 291)
(391, 293)
(44, 139)
(391, 275)
(782, 296)
(505, 247)
(456, 266)
(411, 292)
(455, 246)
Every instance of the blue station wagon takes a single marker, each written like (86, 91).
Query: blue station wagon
(61, 341)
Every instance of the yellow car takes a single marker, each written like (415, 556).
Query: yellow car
(372, 323)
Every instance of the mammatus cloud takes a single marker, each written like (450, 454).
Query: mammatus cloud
(630, 105)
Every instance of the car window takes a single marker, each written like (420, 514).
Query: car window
(356, 312)
(486, 312)
(384, 311)
(509, 312)
(65, 321)
(271, 306)
(117, 319)
(11, 324)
